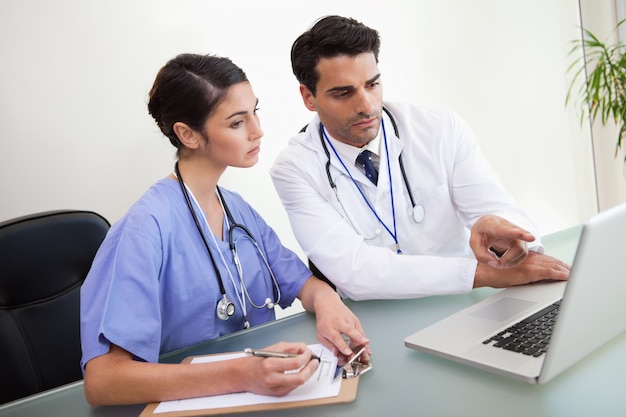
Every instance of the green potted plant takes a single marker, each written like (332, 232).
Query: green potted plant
(603, 93)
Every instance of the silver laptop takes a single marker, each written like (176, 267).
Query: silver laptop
(590, 310)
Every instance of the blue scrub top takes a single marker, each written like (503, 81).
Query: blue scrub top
(152, 287)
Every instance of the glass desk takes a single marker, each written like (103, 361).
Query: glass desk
(403, 381)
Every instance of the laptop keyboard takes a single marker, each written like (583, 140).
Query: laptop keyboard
(530, 336)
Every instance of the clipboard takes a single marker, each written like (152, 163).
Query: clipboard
(347, 393)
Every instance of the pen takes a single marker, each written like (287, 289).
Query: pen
(272, 354)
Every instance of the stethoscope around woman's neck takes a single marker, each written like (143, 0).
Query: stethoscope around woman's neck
(225, 307)
(418, 209)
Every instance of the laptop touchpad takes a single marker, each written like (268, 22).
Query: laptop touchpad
(503, 309)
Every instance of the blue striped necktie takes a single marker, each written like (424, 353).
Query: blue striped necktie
(364, 160)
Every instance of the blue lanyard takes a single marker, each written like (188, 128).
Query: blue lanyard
(393, 234)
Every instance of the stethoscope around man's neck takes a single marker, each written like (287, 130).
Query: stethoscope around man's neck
(225, 307)
(418, 209)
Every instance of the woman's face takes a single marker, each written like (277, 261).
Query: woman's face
(233, 132)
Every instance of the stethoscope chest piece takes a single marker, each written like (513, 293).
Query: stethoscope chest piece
(225, 308)
(418, 213)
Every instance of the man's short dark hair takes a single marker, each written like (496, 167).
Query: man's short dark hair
(329, 37)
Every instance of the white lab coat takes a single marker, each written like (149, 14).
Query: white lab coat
(448, 176)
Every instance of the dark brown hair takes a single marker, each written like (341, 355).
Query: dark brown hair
(329, 37)
(188, 89)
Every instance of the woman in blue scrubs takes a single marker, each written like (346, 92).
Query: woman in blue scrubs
(191, 261)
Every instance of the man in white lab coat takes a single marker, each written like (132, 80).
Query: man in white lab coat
(432, 218)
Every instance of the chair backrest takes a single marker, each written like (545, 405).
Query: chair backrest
(44, 258)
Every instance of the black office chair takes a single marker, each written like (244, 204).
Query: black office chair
(44, 258)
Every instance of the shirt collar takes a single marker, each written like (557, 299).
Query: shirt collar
(349, 152)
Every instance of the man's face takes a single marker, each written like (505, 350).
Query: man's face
(349, 98)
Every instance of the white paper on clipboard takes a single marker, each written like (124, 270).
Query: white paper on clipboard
(321, 385)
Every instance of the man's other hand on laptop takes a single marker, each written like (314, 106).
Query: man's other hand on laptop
(535, 267)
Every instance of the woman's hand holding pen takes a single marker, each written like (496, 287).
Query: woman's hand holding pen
(275, 376)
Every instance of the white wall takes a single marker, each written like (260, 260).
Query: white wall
(75, 75)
